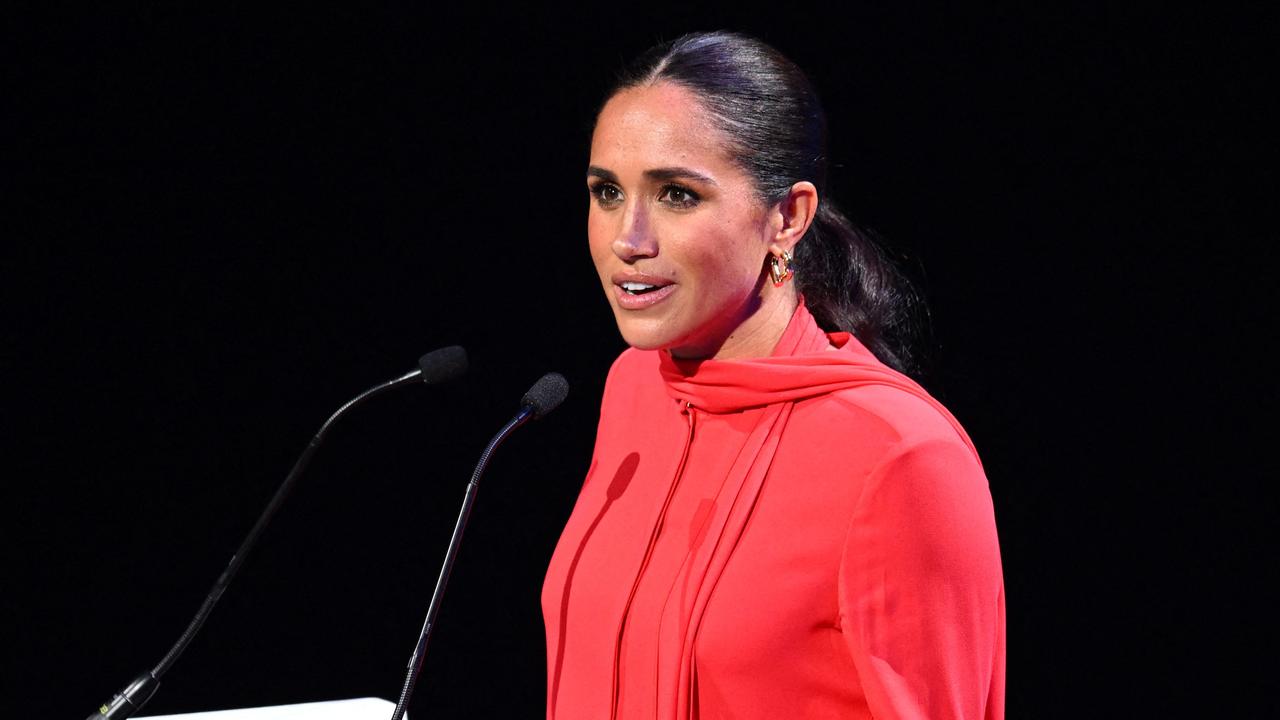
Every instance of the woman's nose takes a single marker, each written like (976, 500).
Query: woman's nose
(635, 239)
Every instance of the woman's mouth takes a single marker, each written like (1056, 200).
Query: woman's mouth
(638, 293)
(635, 288)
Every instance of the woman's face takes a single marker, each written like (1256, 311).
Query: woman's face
(677, 233)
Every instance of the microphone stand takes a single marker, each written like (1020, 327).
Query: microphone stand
(468, 500)
(435, 366)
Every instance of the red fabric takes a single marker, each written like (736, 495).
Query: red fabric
(807, 535)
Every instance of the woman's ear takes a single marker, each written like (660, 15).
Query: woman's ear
(796, 212)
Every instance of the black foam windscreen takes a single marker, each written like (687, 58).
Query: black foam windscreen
(443, 365)
(546, 394)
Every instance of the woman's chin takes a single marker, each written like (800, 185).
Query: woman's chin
(644, 341)
(682, 351)
(665, 334)
(646, 336)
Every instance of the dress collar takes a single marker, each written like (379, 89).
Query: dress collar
(802, 365)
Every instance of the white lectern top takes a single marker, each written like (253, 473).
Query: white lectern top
(356, 709)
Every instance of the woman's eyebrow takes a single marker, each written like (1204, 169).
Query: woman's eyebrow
(658, 174)
(678, 173)
(593, 171)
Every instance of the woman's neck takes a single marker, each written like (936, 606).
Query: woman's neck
(758, 334)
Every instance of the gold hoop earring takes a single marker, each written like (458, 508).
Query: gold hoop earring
(780, 269)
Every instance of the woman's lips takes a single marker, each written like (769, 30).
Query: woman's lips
(627, 301)
(661, 289)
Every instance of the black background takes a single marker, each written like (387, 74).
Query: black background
(228, 220)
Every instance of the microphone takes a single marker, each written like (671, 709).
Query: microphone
(545, 396)
(435, 367)
(442, 365)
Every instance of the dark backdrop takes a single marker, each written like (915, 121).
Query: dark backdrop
(227, 221)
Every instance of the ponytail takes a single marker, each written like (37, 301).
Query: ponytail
(850, 285)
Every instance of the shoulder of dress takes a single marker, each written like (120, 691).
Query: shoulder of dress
(631, 366)
(902, 417)
(631, 359)
(633, 371)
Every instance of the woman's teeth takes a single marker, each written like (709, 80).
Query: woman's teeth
(635, 288)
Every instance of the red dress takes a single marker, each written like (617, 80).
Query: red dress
(807, 535)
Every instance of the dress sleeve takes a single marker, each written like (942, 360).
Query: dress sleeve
(920, 589)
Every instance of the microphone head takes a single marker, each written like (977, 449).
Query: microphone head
(447, 363)
(546, 394)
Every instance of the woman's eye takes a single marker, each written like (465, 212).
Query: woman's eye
(680, 197)
(605, 194)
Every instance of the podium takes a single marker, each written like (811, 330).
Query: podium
(355, 709)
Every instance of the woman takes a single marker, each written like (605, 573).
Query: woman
(776, 523)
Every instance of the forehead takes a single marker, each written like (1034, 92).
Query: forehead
(656, 125)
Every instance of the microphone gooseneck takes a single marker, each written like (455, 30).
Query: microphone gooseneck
(434, 367)
(545, 396)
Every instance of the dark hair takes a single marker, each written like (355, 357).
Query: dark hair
(777, 133)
